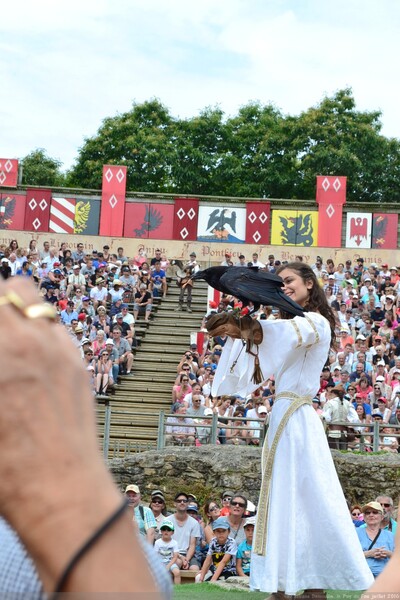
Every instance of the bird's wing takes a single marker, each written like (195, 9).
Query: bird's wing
(213, 277)
(213, 218)
(259, 287)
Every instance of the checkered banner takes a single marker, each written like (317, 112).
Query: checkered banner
(113, 201)
(8, 172)
(331, 196)
(62, 215)
(37, 210)
(186, 215)
(258, 217)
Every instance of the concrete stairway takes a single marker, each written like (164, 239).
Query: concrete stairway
(136, 404)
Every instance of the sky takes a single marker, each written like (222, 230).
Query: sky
(65, 66)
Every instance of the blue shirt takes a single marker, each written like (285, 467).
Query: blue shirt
(244, 552)
(66, 317)
(385, 539)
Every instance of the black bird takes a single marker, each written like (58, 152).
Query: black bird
(250, 284)
(219, 218)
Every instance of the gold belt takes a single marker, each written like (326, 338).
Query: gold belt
(267, 463)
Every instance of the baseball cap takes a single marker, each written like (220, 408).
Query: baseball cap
(331, 277)
(193, 254)
(120, 316)
(192, 507)
(263, 409)
(132, 488)
(181, 494)
(167, 524)
(249, 521)
(208, 412)
(374, 506)
(99, 280)
(157, 494)
(228, 493)
(220, 523)
(110, 342)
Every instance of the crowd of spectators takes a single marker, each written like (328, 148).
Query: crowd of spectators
(92, 292)
(214, 540)
(359, 384)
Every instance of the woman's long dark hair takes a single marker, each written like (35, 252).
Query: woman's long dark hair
(317, 300)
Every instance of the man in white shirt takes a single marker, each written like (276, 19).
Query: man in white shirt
(255, 262)
(99, 294)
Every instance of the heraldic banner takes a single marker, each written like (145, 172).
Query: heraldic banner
(358, 230)
(37, 210)
(12, 211)
(294, 228)
(384, 231)
(8, 172)
(221, 224)
(331, 196)
(258, 215)
(113, 200)
(144, 220)
(87, 217)
(186, 214)
(62, 215)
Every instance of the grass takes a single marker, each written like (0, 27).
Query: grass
(207, 591)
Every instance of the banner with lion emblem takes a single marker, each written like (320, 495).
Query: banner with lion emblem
(294, 228)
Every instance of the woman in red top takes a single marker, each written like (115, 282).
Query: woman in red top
(363, 388)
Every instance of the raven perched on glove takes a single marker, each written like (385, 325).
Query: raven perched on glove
(250, 284)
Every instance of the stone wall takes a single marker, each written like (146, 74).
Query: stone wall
(206, 471)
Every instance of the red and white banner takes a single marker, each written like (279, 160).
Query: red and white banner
(258, 216)
(358, 230)
(62, 215)
(37, 210)
(8, 172)
(331, 196)
(186, 214)
(213, 298)
(113, 201)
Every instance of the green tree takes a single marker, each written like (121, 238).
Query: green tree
(40, 169)
(198, 144)
(334, 138)
(141, 139)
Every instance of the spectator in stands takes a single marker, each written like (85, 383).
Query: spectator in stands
(79, 254)
(126, 330)
(237, 508)
(243, 557)
(181, 390)
(220, 562)
(168, 551)
(75, 281)
(179, 429)
(187, 531)
(99, 293)
(116, 292)
(159, 281)
(158, 507)
(141, 514)
(377, 543)
(211, 512)
(143, 302)
(121, 255)
(99, 344)
(125, 356)
(103, 372)
(236, 432)
(195, 409)
(69, 313)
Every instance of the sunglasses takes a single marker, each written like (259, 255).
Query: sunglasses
(355, 514)
(158, 501)
(181, 501)
(226, 498)
(372, 512)
(240, 504)
(386, 505)
(213, 508)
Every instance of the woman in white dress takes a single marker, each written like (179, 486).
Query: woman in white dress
(304, 538)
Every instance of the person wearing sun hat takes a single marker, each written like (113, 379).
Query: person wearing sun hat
(377, 543)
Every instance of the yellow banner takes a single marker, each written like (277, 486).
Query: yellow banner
(294, 228)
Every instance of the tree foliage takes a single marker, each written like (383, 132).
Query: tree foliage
(40, 169)
(258, 152)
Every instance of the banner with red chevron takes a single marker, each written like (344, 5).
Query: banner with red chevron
(62, 215)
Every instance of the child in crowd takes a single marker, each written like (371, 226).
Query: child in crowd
(221, 556)
(167, 548)
(244, 549)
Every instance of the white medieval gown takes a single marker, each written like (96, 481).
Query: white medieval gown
(311, 540)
